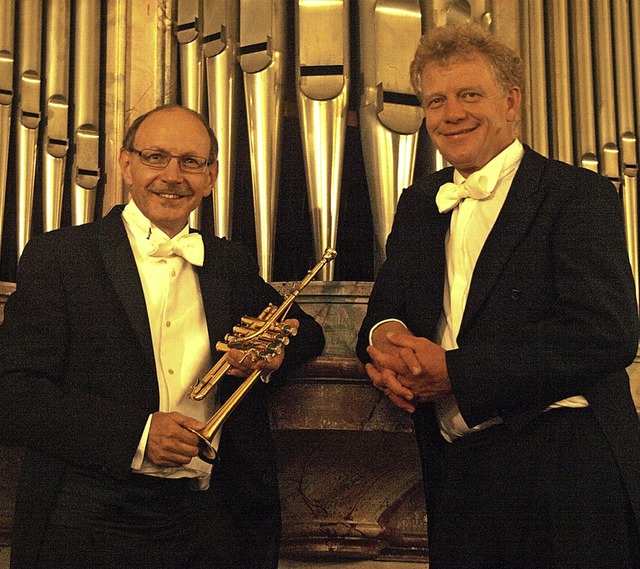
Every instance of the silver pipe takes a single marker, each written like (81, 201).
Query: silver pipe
(390, 114)
(188, 34)
(221, 28)
(262, 60)
(86, 167)
(582, 83)
(322, 81)
(56, 134)
(7, 14)
(29, 38)
(635, 59)
(607, 137)
(559, 81)
(535, 92)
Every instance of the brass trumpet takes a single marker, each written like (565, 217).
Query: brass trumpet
(259, 338)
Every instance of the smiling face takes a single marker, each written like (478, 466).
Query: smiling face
(469, 117)
(167, 196)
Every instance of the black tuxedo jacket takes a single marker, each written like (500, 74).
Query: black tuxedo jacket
(551, 311)
(78, 377)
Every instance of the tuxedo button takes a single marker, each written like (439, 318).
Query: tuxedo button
(515, 294)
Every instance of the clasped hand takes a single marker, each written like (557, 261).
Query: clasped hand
(408, 369)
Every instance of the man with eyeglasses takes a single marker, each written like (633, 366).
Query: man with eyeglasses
(111, 325)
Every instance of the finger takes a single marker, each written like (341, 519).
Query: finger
(401, 403)
(409, 357)
(167, 451)
(387, 382)
(386, 360)
(292, 323)
(272, 365)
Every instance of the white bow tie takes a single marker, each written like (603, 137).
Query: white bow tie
(189, 247)
(450, 195)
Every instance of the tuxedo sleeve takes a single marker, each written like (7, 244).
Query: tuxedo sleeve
(48, 397)
(409, 284)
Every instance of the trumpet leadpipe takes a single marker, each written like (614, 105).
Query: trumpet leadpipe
(257, 324)
(256, 348)
(273, 336)
(201, 389)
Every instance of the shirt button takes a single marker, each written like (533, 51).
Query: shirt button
(173, 273)
(170, 371)
(168, 324)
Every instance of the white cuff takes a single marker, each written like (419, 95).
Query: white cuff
(380, 324)
(138, 458)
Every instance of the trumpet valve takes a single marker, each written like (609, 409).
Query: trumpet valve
(288, 330)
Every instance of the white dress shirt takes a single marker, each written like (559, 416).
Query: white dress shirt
(179, 334)
(471, 223)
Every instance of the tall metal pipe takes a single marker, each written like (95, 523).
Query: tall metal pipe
(628, 138)
(262, 61)
(189, 35)
(56, 131)
(220, 47)
(390, 113)
(7, 14)
(322, 87)
(28, 124)
(86, 164)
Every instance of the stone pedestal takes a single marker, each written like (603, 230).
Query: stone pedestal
(349, 470)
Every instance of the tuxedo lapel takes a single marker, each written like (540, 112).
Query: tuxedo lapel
(215, 287)
(121, 267)
(518, 212)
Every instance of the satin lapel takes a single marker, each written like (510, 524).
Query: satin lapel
(215, 287)
(518, 212)
(121, 267)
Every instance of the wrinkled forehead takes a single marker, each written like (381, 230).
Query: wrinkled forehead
(471, 59)
(173, 130)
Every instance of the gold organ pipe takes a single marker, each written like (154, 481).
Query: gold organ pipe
(29, 38)
(559, 81)
(262, 60)
(7, 14)
(582, 82)
(635, 53)
(86, 167)
(535, 92)
(390, 114)
(605, 91)
(220, 49)
(626, 127)
(189, 36)
(56, 135)
(322, 74)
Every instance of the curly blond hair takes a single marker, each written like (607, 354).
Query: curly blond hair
(442, 44)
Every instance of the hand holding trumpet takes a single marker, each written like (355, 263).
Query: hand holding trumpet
(244, 362)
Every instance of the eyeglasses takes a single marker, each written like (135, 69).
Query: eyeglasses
(158, 159)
